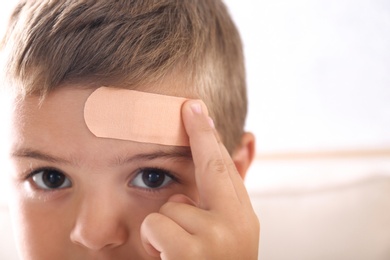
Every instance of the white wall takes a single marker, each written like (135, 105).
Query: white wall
(318, 73)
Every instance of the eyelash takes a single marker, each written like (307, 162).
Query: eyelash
(166, 172)
(29, 177)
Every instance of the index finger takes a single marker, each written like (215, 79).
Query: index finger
(211, 172)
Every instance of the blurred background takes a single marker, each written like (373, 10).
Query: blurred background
(318, 78)
(318, 74)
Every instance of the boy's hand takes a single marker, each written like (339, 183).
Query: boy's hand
(224, 225)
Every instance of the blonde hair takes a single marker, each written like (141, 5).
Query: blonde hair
(130, 43)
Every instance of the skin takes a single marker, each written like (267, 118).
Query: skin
(102, 211)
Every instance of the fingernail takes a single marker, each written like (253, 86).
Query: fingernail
(211, 122)
(196, 108)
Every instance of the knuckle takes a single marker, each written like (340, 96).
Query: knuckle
(225, 237)
(217, 165)
(205, 128)
(250, 225)
(220, 229)
(230, 164)
(195, 249)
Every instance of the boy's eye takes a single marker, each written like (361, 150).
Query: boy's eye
(152, 178)
(49, 179)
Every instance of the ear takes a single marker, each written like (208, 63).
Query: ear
(243, 155)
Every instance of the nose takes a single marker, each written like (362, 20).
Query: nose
(99, 224)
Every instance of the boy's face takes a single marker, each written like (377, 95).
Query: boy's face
(76, 196)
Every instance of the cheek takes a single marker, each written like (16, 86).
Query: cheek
(38, 232)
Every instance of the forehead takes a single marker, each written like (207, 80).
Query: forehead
(57, 125)
(59, 112)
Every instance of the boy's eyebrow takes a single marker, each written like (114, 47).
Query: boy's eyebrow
(35, 154)
(174, 152)
(170, 153)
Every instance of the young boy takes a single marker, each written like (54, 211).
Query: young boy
(78, 195)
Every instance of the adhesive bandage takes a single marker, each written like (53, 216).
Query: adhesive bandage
(136, 116)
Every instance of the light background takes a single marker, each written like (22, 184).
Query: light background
(319, 90)
(318, 83)
(318, 73)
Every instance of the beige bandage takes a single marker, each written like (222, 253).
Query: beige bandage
(136, 116)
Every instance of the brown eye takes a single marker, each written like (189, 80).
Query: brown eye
(49, 179)
(152, 178)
